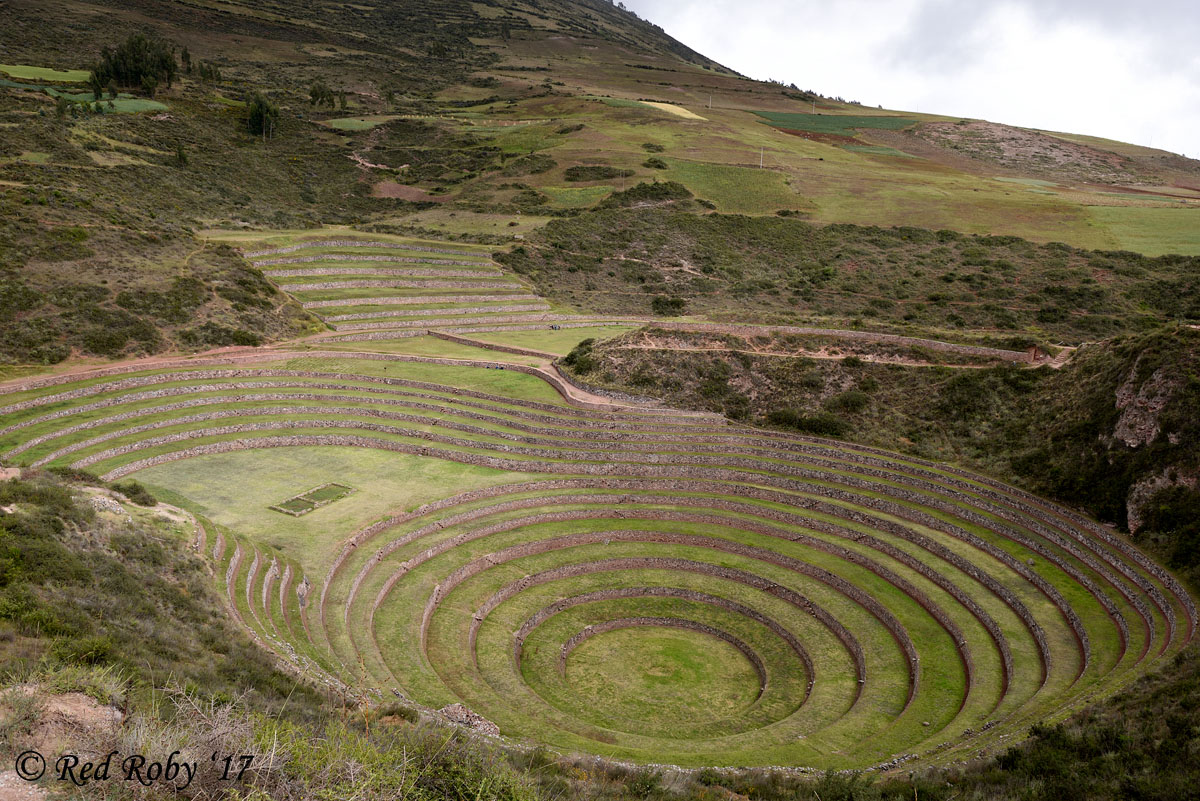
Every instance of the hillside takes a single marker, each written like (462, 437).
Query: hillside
(516, 115)
(536, 408)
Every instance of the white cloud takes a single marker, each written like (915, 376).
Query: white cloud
(1101, 67)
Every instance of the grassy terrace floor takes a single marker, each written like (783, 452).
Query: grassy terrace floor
(793, 601)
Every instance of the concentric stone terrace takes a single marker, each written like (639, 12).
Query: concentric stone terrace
(637, 582)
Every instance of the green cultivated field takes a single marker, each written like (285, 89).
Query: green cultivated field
(637, 582)
(840, 124)
(30, 73)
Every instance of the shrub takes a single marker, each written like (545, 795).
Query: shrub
(580, 358)
(644, 193)
(136, 493)
(851, 401)
(532, 164)
(823, 424)
(595, 172)
(667, 307)
(655, 163)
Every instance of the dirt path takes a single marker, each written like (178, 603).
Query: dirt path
(815, 354)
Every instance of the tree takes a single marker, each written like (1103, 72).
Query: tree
(262, 116)
(61, 106)
(112, 90)
(208, 72)
(319, 94)
(149, 85)
(97, 86)
(134, 59)
(186, 58)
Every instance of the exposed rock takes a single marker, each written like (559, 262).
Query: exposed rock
(1141, 406)
(457, 713)
(1141, 492)
(102, 504)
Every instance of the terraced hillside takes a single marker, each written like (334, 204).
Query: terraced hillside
(387, 286)
(624, 580)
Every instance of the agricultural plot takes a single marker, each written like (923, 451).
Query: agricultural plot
(837, 124)
(27, 72)
(315, 498)
(625, 580)
(388, 290)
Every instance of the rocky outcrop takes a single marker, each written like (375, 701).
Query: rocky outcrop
(1141, 404)
(457, 713)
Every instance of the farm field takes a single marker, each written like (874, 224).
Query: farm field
(795, 601)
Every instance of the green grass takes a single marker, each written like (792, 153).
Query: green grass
(1153, 231)
(737, 190)
(431, 346)
(577, 196)
(840, 124)
(359, 123)
(385, 482)
(31, 73)
(315, 498)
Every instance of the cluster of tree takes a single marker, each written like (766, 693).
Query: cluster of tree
(319, 94)
(208, 72)
(140, 61)
(262, 116)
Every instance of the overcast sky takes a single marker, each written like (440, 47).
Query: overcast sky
(1121, 69)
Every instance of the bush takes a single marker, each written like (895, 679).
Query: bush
(580, 358)
(823, 424)
(533, 164)
(136, 493)
(655, 163)
(851, 401)
(644, 193)
(595, 172)
(667, 307)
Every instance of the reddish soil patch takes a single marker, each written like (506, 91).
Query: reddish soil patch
(823, 138)
(402, 192)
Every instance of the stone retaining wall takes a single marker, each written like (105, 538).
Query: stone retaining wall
(614, 510)
(475, 343)
(886, 506)
(397, 271)
(412, 300)
(719, 461)
(351, 243)
(376, 259)
(580, 384)
(438, 322)
(529, 307)
(571, 571)
(401, 284)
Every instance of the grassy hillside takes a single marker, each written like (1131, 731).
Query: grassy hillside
(786, 271)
